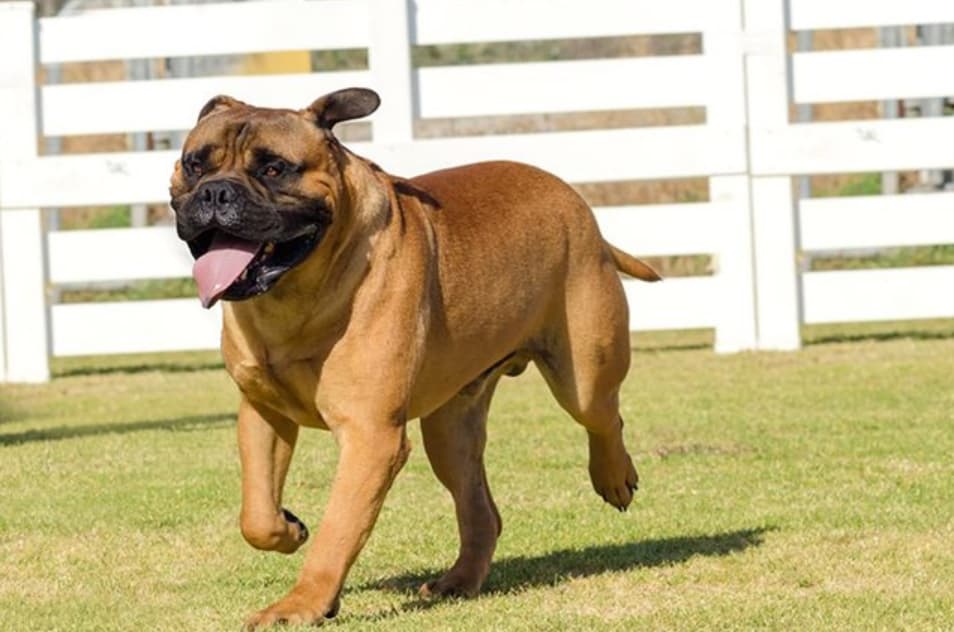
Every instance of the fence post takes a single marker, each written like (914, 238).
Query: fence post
(736, 328)
(774, 214)
(22, 243)
(389, 58)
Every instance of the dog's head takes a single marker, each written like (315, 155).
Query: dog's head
(256, 189)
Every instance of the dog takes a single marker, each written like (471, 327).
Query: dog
(355, 300)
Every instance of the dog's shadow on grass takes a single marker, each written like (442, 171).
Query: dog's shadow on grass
(57, 433)
(515, 574)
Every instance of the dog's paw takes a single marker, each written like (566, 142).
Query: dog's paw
(615, 480)
(296, 526)
(294, 609)
(283, 533)
(452, 584)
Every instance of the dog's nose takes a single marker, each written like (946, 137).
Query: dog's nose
(219, 202)
(218, 193)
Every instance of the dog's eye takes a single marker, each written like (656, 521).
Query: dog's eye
(274, 169)
(194, 168)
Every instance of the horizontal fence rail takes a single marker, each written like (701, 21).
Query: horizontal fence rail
(181, 98)
(657, 230)
(183, 30)
(827, 14)
(881, 221)
(854, 146)
(684, 303)
(134, 327)
(751, 229)
(133, 254)
(645, 153)
(456, 21)
(866, 295)
(611, 155)
(846, 75)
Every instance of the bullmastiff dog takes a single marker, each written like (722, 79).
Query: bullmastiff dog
(356, 300)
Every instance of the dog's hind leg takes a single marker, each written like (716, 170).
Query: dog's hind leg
(454, 438)
(611, 469)
(265, 450)
(584, 362)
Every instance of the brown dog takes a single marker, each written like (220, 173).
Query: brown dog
(374, 300)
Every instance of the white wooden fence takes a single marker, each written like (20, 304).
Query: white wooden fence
(747, 148)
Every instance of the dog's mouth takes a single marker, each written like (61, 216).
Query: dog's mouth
(235, 269)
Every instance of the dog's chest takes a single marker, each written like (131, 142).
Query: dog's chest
(288, 390)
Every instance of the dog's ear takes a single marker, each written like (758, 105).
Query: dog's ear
(217, 104)
(343, 105)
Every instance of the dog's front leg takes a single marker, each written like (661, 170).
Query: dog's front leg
(266, 443)
(370, 459)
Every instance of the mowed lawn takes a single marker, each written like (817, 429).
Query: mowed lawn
(790, 491)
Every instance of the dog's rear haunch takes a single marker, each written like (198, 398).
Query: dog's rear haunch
(355, 300)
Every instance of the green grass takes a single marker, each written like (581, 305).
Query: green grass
(860, 184)
(518, 51)
(100, 217)
(798, 491)
(938, 255)
(152, 289)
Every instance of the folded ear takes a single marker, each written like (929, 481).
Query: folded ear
(343, 105)
(217, 104)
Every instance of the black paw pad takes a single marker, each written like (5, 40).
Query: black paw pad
(291, 518)
(335, 607)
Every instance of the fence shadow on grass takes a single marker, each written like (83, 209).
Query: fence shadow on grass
(146, 367)
(550, 569)
(879, 336)
(57, 433)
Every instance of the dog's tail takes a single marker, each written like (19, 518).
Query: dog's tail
(628, 264)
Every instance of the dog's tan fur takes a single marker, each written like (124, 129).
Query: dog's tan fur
(422, 294)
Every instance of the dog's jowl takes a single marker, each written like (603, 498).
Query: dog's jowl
(354, 300)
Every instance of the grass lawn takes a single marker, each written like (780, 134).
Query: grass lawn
(802, 491)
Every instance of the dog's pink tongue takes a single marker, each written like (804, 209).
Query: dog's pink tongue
(218, 268)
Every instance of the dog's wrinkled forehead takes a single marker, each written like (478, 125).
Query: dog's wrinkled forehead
(242, 132)
(229, 127)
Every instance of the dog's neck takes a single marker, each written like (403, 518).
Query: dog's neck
(366, 229)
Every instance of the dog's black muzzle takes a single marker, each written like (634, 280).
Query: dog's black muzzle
(285, 235)
(225, 204)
